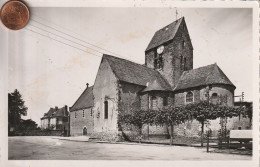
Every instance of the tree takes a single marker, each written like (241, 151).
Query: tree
(16, 109)
(28, 125)
(204, 111)
(171, 116)
(136, 117)
(131, 114)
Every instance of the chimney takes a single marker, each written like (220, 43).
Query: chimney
(87, 85)
(66, 108)
(56, 108)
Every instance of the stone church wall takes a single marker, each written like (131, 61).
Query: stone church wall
(131, 132)
(193, 128)
(200, 93)
(105, 88)
(77, 124)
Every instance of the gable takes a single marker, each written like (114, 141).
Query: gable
(86, 100)
(59, 112)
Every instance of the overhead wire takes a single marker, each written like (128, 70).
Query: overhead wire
(62, 42)
(65, 38)
(75, 38)
(115, 54)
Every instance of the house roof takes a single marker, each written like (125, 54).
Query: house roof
(206, 75)
(134, 73)
(56, 112)
(165, 34)
(86, 100)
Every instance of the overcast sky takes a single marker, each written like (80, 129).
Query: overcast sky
(49, 73)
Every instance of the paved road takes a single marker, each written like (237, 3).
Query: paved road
(48, 148)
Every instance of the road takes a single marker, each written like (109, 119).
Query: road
(49, 148)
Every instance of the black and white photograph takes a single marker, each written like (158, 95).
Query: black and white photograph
(131, 83)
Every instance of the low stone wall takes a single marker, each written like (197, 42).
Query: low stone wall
(38, 133)
(130, 132)
(106, 136)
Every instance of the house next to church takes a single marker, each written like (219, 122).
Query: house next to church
(56, 119)
(166, 78)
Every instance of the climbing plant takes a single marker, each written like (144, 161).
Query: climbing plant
(175, 115)
(204, 111)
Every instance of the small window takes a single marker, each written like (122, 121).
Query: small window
(158, 61)
(153, 103)
(91, 114)
(181, 60)
(83, 113)
(183, 44)
(214, 98)
(165, 101)
(75, 114)
(189, 97)
(106, 109)
(184, 65)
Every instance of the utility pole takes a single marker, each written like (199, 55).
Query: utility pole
(241, 99)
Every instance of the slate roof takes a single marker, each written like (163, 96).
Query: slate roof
(165, 34)
(86, 100)
(59, 112)
(155, 85)
(202, 76)
(134, 73)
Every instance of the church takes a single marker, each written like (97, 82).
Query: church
(166, 78)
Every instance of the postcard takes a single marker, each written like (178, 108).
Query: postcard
(129, 83)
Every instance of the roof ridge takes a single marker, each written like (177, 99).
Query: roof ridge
(180, 79)
(205, 75)
(201, 67)
(159, 36)
(222, 73)
(170, 24)
(81, 95)
(129, 61)
(212, 72)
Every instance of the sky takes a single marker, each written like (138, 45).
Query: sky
(49, 73)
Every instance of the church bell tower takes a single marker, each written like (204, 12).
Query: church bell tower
(170, 51)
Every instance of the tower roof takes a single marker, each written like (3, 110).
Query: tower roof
(165, 34)
(203, 76)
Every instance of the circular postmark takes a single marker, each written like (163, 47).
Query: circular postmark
(14, 15)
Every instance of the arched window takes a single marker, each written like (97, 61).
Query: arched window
(158, 61)
(181, 60)
(214, 98)
(189, 97)
(165, 101)
(153, 103)
(184, 66)
(105, 109)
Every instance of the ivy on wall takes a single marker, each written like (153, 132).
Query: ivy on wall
(175, 115)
